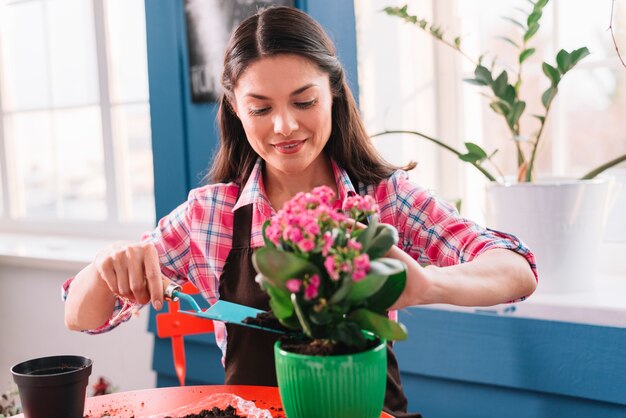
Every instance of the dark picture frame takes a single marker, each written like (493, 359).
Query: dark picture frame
(209, 24)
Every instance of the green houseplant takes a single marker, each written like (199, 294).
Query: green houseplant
(329, 281)
(503, 89)
(560, 219)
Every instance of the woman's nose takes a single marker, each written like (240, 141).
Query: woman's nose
(285, 123)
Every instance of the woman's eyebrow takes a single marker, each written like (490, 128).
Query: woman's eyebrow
(293, 93)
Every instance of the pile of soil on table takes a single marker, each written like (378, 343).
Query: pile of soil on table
(229, 411)
(266, 320)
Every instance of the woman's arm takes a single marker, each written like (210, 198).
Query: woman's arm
(124, 269)
(495, 276)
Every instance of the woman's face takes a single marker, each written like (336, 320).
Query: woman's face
(284, 103)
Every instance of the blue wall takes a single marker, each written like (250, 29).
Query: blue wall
(454, 364)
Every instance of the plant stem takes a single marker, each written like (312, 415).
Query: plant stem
(533, 155)
(613, 35)
(441, 144)
(603, 167)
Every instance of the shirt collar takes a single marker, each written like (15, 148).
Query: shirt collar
(254, 189)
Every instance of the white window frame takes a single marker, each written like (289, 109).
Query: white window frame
(110, 228)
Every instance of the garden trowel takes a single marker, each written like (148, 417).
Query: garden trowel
(221, 310)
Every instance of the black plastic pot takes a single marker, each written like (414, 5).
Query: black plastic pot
(53, 387)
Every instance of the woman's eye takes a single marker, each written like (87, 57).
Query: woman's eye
(307, 104)
(259, 112)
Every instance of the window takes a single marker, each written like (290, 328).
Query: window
(75, 120)
(410, 81)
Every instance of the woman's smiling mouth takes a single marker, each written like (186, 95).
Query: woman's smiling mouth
(289, 147)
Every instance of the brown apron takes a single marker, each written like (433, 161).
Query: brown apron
(250, 352)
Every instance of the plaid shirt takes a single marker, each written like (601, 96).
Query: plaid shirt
(194, 240)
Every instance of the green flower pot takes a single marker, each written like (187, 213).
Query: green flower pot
(346, 386)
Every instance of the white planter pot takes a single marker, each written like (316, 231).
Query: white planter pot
(562, 221)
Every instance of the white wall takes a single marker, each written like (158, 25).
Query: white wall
(31, 325)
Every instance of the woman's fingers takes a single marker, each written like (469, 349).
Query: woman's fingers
(153, 276)
(132, 271)
(104, 264)
(136, 277)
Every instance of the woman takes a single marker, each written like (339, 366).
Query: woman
(289, 123)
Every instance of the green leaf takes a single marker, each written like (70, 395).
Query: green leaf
(541, 3)
(509, 95)
(279, 266)
(341, 293)
(552, 73)
(322, 317)
(525, 54)
(475, 82)
(384, 238)
(500, 107)
(534, 17)
(280, 302)
(457, 42)
(380, 325)
(391, 290)
(483, 74)
(532, 30)
(366, 287)
(548, 96)
(516, 113)
(577, 55)
(500, 83)
(386, 266)
(475, 153)
(366, 236)
(509, 40)
(515, 22)
(541, 118)
(349, 333)
(563, 61)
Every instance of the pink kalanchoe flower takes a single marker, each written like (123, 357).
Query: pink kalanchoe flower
(312, 289)
(328, 243)
(354, 245)
(306, 245)
(329, 263)
(293, 285)
(362, 262)
(358, 275)
(293, 234)
(273, 233)
(346, 267)
(325, 194)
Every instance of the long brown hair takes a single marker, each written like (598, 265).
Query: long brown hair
(285, 30)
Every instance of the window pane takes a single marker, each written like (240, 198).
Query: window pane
(593, 105)
(1, 192)
(397, 86)
(132, 137)
(23, 64)
(126, 27)
(82, 186)
(74, 70)
(581, 25)
(29, 137)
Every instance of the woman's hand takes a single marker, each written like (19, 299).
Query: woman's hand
(419, 285)
(132, 271)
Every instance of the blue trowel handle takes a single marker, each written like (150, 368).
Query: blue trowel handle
(174, 292)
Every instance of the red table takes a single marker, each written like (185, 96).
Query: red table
(143, 403)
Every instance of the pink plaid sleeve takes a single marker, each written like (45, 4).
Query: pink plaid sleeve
(122, 312)
(171, 238)
(433, 232)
